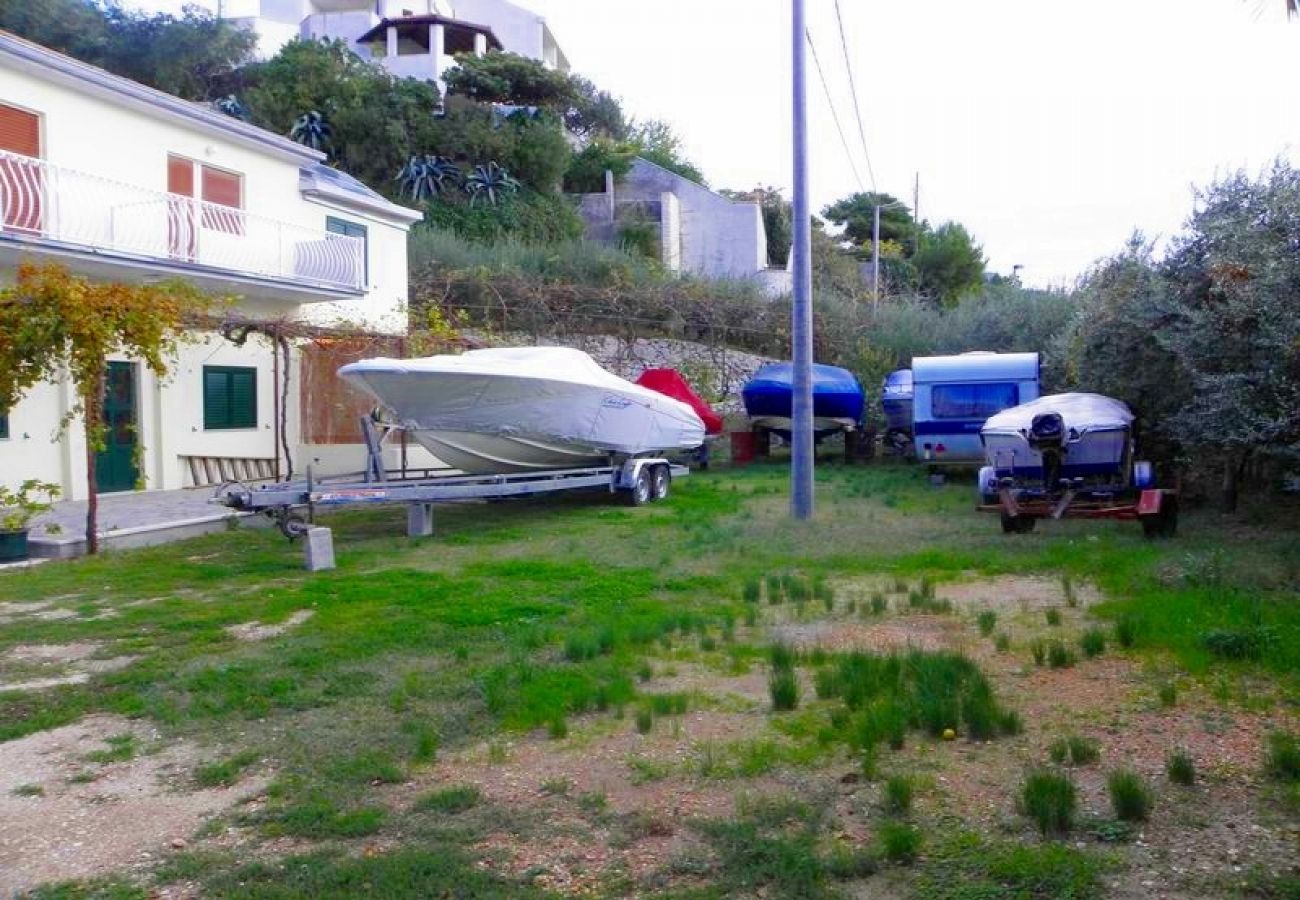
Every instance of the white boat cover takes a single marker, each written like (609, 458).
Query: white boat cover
(551, 393)
(1082, 413)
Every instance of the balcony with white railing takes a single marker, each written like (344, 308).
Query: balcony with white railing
(49, 206)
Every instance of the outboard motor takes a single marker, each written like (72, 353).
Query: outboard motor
(1047, 435)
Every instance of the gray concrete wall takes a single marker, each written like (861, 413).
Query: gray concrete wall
(717, 237)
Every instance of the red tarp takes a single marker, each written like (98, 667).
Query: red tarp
(671, 383)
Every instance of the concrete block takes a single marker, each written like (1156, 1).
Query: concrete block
(318, 549)
(419, 519)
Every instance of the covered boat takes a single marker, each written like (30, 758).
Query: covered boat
(1061, 437)
(838, 399)
(896, 404)
(524, 409)
(672, 383)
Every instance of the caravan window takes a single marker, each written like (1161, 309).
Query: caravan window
(972, 401)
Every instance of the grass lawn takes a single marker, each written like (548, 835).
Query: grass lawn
(565, 696)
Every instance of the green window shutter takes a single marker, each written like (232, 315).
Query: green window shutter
(229, 397)
(353, 229)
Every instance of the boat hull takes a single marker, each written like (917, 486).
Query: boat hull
(524, 411)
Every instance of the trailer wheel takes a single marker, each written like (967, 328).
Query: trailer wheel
(660, 483)
(1163, 524)
(1017, 524)
(642, 490)
(293, 525)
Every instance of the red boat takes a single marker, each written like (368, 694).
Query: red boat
(671, 383)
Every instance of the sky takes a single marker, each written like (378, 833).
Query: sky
(1052, 130)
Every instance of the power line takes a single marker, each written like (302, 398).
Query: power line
(853, 88)
(834, 115)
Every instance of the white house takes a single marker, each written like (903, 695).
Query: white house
(410, 38)
(119, 182)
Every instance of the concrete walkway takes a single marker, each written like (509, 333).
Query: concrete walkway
(130, 519)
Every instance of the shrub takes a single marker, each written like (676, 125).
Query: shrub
(1168, 694)
(1053, 616)
(987, 621)
(1180, 768)
(899, 842)
(750, 592)
(1093, 642)
(898, 795)
(1283, 760)
(782, 656)
(1074, 750)
(1011, 723)
(878, 603)
(845, 864)
(1002, 642)
(645, 721)
(1039, 651)
(1059, 656)
(1050, 799)
(1246, 643)
(1129, 796)
(1126, 632)
(784, 688)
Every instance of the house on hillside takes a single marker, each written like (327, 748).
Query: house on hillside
(411, 38)
(119, 182)
(696, 231)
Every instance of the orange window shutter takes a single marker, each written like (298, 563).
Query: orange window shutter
(180, 176)
(20, 131)
(222, 188)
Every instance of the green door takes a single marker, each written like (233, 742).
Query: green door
(115, 468)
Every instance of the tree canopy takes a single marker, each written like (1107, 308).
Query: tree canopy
(187, 55)
(856, 214)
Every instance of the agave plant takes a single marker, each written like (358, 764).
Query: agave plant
(231, 106)
(426, 176)
(490, 182)
(312, 130)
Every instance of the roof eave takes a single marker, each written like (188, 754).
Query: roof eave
(24, 55)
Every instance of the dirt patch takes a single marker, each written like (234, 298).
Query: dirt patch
(63, 817)
(33, 667)
(1024, 593)
(903, 633)
(256, 631)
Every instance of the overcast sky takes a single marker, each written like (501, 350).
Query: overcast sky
(1050, 129)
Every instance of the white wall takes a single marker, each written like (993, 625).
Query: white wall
(720, 238)
(131, 146)
(519, 30)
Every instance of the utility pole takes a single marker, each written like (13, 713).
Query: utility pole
(801, 433)
(875, 259)
(916, 214)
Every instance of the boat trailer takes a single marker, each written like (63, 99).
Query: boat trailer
(292, 505)
(1155, 508)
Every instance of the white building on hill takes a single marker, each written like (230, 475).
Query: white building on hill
(411, 38)
(119, 182)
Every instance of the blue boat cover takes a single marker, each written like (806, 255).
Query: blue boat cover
(836, 392)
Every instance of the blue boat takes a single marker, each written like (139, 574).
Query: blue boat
(838, 400)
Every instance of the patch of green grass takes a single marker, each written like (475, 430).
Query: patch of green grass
(771, 847)
(1002, 643)
(320, 816)
(1126, 631)
(1180, 767)
(451, 800)
(1053, 616)
(556, 787)
(94, 889)
(557, 728)
(1093, 642)
(968, 866)
(1282, 756)
(28, 790)
(407, 874)
(878, 603)
(366, 767)
(1239, 643)
(898, 795)
(1050, 799)
(898, 842)
(987, 621)
(783, 686)
(1130, 797)
(224, 772)
(751, 591)
(1067, 591)
(121, 747)
(593, 802)
(1038, 649)
(645, 721)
